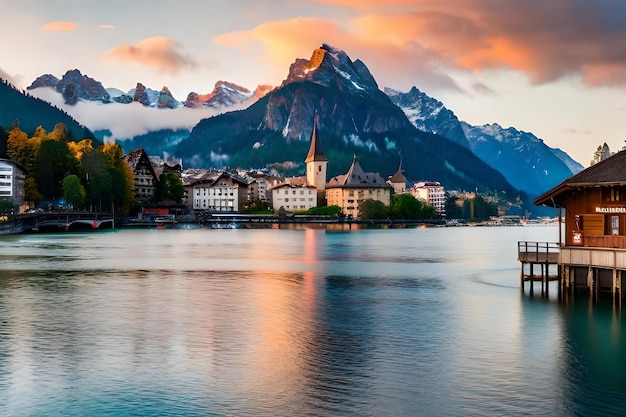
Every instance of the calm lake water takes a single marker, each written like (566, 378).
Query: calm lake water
(400, 322)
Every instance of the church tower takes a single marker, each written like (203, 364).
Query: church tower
(316, 161)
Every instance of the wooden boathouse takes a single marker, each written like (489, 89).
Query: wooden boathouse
(592, 238)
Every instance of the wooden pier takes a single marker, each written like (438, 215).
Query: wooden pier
(592, 270)
(537, 260)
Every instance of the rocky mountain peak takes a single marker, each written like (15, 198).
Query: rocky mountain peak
(330, 66)
(86, 87)
(73, 86)
(141, 95)
(166, 100)
(224, 94)
(46, 80)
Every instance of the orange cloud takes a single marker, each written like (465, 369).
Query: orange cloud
(278, 44)
(161, 53)
(60, 26)
(545, 40)
(106, 26)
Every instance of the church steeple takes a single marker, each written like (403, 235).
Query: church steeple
(316, 161)
(316, 151)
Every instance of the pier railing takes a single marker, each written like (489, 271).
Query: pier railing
(538, 252)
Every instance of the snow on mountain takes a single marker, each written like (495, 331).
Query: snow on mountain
(523, 158)
(224, 94)
(429, 114)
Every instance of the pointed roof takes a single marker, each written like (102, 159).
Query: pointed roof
(356, 177)
(609, 171)
(398, 177)
(316, 152)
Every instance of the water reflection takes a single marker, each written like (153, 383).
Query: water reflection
(594, 360)
(294, 322)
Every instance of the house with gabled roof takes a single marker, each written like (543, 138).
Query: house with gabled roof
(145, 178)
(592, 239)
(349, 190)
(226, 191)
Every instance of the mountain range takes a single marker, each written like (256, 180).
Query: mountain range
(524, 160)
(270, 128)
(75, 86)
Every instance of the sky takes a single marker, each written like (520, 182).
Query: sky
(554, 68)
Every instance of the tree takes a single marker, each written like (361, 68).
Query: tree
(59, 132)
(97, 177)
(428, 212)
(122, 177)
(73, 191)
(31, 192)
(22, 149)
(54, 161)
(373, 209)
(406, 206)
(169, 188)
(6, 206)
(78, 148)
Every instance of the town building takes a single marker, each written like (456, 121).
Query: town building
(12, 186)
(432, 193)
(259, 189)
(592, 239)
(228, 191)
(294, 196)
(349, 190)
(145, 177)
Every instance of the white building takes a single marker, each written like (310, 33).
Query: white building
(431, 193)
(227, 192)
(294, 196)
(12, 182)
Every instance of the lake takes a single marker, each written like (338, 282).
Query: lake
(297, 322)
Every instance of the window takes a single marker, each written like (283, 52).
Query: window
(319, 168)
(612, 193)
(616, 194)
(614, 225)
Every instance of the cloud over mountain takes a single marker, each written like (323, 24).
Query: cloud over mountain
(547, 41)
(130, 119)
(159, 52)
